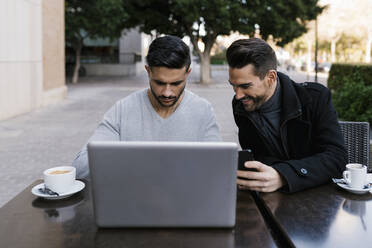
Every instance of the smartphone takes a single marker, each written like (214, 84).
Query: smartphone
(243, 156)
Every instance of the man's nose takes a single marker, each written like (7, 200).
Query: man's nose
(167, 90)
(238, 93)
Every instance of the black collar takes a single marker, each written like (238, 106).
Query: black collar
(291, 105)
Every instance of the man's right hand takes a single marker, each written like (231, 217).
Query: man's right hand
(264, 179)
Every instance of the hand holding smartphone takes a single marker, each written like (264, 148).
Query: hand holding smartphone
(244, 156)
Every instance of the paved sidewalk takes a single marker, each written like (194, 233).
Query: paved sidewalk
(52, 136)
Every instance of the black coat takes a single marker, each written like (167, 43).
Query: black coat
(310, 134)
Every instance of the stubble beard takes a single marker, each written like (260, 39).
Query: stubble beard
(257, 102)
(158, 98)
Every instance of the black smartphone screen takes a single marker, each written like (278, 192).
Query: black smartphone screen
(243, 156)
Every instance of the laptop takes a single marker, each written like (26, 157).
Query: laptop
(163, 184)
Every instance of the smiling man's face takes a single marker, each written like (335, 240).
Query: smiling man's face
(249, 88)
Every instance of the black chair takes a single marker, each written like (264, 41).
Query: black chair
(356, 136)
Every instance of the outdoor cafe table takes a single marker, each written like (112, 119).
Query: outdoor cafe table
(325, 216)
(28, 221)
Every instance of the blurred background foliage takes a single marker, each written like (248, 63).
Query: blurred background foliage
(351, 86)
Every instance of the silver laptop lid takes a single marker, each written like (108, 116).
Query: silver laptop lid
(163, 184)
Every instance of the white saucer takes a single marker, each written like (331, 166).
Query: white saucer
(352, 190)
(78, 186)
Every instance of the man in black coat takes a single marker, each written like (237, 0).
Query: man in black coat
(292, 129)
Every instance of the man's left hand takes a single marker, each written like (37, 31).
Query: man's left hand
(265, 179)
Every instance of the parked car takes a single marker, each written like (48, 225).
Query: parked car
(324, 67)
(304, 66)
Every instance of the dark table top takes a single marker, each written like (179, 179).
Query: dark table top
(325, 216)
(28, 221)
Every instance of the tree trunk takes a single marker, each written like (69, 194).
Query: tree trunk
(75, 76)
(205, 60)
(333, 50)
(308, 60)
(204, 56)
(205, 68)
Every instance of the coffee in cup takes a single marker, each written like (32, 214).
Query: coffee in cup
(59, 172)
(60, 179)
(355, 175)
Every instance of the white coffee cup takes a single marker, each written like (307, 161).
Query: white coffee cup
(60, 179)
(355, 175)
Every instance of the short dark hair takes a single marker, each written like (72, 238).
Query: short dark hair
(168, 51)
(252, 51)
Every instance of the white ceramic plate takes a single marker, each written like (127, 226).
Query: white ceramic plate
(78, 186)
(352, 190)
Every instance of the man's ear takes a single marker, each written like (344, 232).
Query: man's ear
(148, 69)
(188, 71)
(271, 75)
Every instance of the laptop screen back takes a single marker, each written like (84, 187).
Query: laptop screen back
(163, 184)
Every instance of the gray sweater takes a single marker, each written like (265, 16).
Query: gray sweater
(134, 119)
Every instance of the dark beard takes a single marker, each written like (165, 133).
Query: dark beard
(158, 98)
(257, 102)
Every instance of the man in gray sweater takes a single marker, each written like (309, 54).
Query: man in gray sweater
(163, 112)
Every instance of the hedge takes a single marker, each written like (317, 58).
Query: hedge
(351, 86)
(219, 59)
(341, 73)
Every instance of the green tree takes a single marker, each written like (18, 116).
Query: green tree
(204, 20)
(93, 19)
(349, 48)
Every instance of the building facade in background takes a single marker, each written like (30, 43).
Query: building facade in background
(124, 56)
(32, 57)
